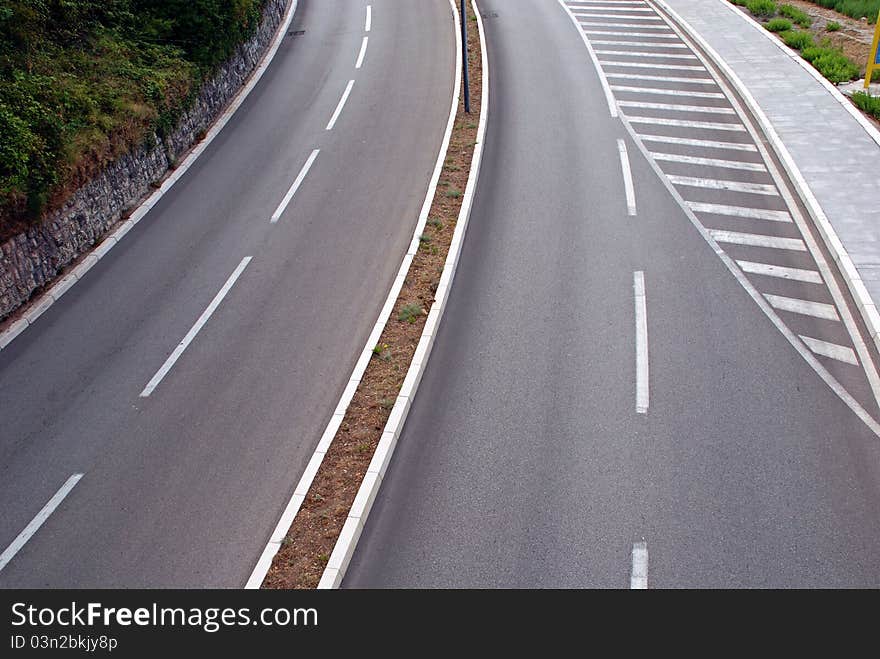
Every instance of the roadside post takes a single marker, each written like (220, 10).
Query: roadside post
(873, 59)
(464, 57)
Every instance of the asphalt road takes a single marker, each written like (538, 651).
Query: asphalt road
(183, 487)
(524, 461)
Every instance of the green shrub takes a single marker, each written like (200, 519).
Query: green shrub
(798, 16)
(867, 103)
(778, 25)
(831, 63)
(83, 81)
(762, 8)
(739, 3)
(853, 8)
(797, 39)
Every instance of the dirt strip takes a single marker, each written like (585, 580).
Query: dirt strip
(309, 542)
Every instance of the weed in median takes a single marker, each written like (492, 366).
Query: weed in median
(778, 25)
(379, 348)
(832, 26)
(437, 224)
(800, 17)
(409, 313)
(386, 403)
(453, 193)
(762, 8)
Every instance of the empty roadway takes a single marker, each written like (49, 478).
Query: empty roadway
(527, 459)
(182, 488)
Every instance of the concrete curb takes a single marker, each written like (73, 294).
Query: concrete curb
(41, 303)
(360, 509)
(866, 306)
(399, 410)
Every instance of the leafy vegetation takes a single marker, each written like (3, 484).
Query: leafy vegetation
(762, 8)
(778, 25)
(801, 18)
(797, 39)
(831, 63)
(83, 81)
(867, 103)
(852, 8)
(832, 26)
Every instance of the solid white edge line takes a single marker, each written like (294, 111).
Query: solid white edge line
(627, 178)
(264, 562)
(369, 22)
(38, 520)
(354, 523)
(112, 239)
(609, 97)
(294, 186)
(851, 276)
(639, 578)
(340, 105)
(360, 57)
(195, 329)
(642, 375)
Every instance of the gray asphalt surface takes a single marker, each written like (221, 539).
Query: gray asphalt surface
(183, 488)
(523, 462)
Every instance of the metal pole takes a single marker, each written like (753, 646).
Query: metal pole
(464, 58)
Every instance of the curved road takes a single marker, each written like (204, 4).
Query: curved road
(182, 487)
(603, 379)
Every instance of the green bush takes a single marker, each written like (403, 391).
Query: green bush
(83, 81)
(762, 8)
(831, 63)
(798, 16)
(867, 103)
(778, 25)
(853, 8)
(797, 39)
(832, 26)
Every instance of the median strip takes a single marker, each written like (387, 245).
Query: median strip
(321, 505)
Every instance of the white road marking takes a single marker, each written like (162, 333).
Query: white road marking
(633, 34)
(832, 350)
(711, 144)
(675, 107)
(740, 211)
(757, 240)
(627, 178)
(683, 123)
(369, 22)
(629, 53)
(642, 76)
(639, 578)
(665, 92)
(612, 3)
(294, 187)
(717, 184)
(632, 17)
(640, 44)
(648, 65)
(360, 59)
(340, 105)
(638, 26)
(609, 97)
(35, 524)
(803, 307)
(711, 162)
(796, 274)
(200, 323)
(642, 391)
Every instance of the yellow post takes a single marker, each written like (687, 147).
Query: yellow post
(872, 57)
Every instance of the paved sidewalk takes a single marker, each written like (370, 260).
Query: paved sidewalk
(835, 153)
